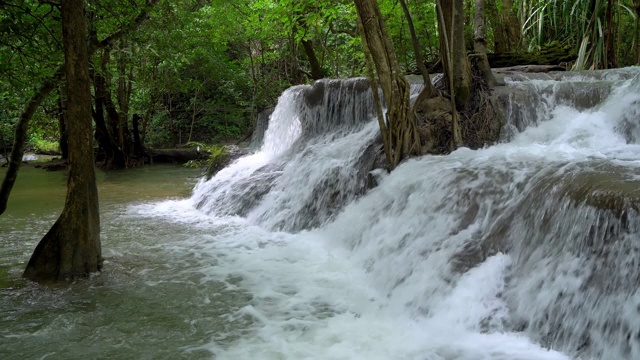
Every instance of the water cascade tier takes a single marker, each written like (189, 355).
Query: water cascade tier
(528, 249)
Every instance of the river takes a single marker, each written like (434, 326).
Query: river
(526, 250)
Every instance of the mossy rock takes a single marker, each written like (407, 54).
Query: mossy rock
(220, 157)
(604, 191)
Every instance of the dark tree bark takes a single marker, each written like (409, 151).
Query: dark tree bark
(71, 249)
(20, 136)
(429, 89)
(398, 127)
(316, 69)
(610, 60)
(62, 126)
(4, 151)
(123, 95)
(511, 25)
(114, 156)
(500, 42)
(506, 27)
(138, 150)
(480, 44)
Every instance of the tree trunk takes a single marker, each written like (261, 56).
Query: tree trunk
(454, 56)
(137, 143)
(123, 94)
(454, 73)
(399, 131)
(3, 147)
(610, 55)
(429, 89)
(500, 41)
(480, 44)
(637, 6)
(62, 126)
(71, 249)
(511, 26)
(194, 113)
(114, 156)
(316, 69)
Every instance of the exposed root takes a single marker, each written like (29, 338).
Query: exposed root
(479, 122)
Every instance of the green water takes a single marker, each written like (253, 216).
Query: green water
(150, 302)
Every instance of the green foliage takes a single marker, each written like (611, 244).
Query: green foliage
(43, 135)
(199, 70)
(41, 145)
(587, 26)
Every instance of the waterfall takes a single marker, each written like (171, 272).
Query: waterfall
(262, 121)
(328, 125)
(528, 249)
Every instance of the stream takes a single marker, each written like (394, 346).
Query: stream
(525, 250)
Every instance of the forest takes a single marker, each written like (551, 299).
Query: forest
(200, 71)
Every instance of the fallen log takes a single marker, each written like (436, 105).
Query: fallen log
(175, 156)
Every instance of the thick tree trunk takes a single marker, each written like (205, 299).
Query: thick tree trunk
(399, 129)
(480, 44)
(429, 89)
(71, 249)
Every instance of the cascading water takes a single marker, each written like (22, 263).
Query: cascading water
(328, 124)
(529, 249)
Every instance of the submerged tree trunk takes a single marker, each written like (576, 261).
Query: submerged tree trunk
(398, 127)
(480, 44)
(71, 249)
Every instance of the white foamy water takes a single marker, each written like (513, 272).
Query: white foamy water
(523, 250)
